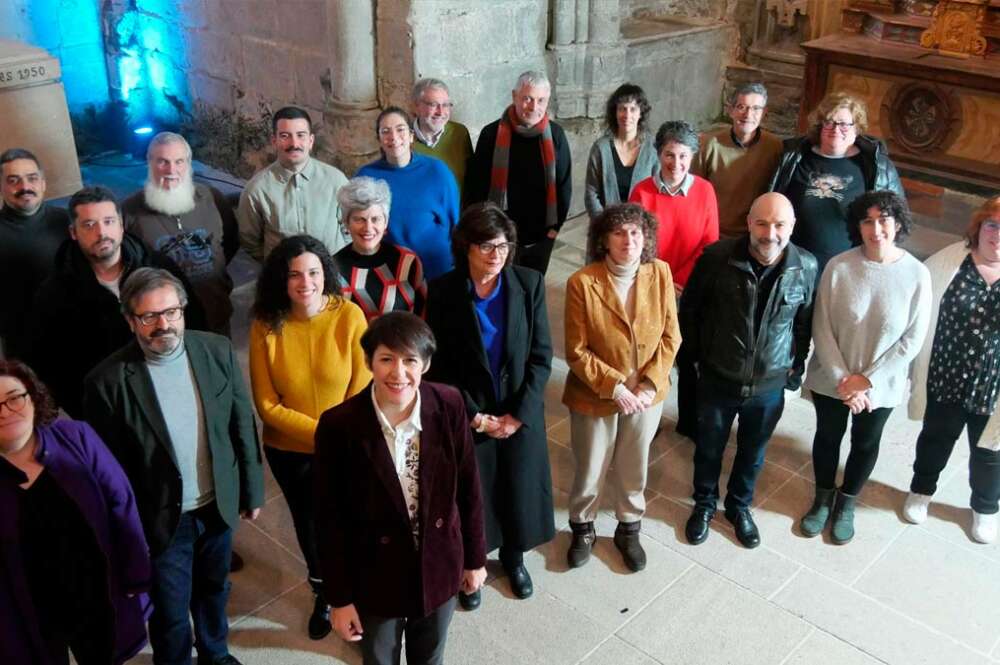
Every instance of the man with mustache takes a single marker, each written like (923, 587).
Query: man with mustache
(172, 407)
(79, 300)
(746, 320)
(188, 222)
(30, 234)
(296, 194)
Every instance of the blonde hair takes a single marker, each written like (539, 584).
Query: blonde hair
(832, 103)
(989, 210)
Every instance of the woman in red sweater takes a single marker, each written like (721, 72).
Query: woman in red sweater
(688, 217)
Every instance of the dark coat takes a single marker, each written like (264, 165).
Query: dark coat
(717, 319)
(77, 460)
(367, 553)
(120, 402)
(76, 323)
(517, 482)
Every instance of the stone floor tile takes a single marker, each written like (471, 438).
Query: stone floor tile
(541, 630)
(959, 599)
(276, 521)
(778, 520)
(561, 463)
(277, 634)
(761, 570)
(616, 652)
(869, 625)
(269, 571)
(704, 619)
(604, 589)
(821, 648)
(950, 517)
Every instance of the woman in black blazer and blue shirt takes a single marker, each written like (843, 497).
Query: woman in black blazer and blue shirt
(492, 329)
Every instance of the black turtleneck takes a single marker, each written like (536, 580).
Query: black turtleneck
(28, 245)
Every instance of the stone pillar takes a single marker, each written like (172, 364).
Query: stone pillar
(568, 49)
(606, 49)
(350, 114)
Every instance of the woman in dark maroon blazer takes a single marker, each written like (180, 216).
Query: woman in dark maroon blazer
(398, 506)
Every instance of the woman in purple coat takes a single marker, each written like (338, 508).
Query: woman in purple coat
(80, 586)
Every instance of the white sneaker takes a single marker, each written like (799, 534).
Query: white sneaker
(984, 527)
(915, 508)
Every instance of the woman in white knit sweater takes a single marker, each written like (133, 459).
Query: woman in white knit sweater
(872, 310)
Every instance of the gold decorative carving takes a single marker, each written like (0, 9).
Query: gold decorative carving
(785, 10)
(956, 28)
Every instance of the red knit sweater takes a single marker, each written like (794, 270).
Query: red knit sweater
(687, 223)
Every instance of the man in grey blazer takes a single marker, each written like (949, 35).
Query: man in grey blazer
(174, 410)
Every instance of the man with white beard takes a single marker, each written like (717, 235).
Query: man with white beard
(188, 222)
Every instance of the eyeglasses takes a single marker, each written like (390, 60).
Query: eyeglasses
(487, 248)
(438, 106)
(14, 403)
(742, 108)
(842, 126)
(991, 227)
(171, 314)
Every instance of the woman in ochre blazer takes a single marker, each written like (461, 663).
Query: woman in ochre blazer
(398, 505)
(621, 339)
(492, 329)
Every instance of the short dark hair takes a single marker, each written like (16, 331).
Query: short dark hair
(618, 215)
(144, 280)
(399, 331)
(290, 113)
(45, 407)
(389, 110)
(19, 153)
(87, 195)
(480, 222)
(627, 92)
(272, 304)
(676, 131)
(889, 203)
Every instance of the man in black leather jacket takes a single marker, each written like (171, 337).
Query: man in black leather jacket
(747, 313)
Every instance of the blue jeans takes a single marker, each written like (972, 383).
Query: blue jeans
(192, 575)
(758, 416)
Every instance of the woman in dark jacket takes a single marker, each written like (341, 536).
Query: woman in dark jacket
(492, 330)
(822, 172)
(79, 587)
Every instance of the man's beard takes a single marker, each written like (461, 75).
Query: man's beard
(176, 201)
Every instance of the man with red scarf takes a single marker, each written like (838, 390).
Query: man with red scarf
(522, 163)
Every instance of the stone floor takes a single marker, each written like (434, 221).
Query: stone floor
(896, 594)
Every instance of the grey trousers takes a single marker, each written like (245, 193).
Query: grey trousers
(618, 440)
(382, 639)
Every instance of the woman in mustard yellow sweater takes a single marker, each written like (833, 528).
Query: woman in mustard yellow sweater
(305, 357)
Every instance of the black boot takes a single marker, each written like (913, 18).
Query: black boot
(319, 620)
(627, 542)
(583, 541)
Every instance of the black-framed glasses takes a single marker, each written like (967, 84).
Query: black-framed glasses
(15, 403)
(839, 124)
(171, 314)
(487, 248)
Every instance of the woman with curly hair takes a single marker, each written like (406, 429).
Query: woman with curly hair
(621, 339)
(81, 587)
(305, 357)
(873, 306)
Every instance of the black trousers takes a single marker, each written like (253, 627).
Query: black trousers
(382, 639)
(943, 424)
(866, 433)
(294, 474)
(536, 255)
(687, 392)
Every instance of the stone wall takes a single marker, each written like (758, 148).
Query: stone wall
(71, 31)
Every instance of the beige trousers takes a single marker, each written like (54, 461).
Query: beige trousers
(617, 440)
